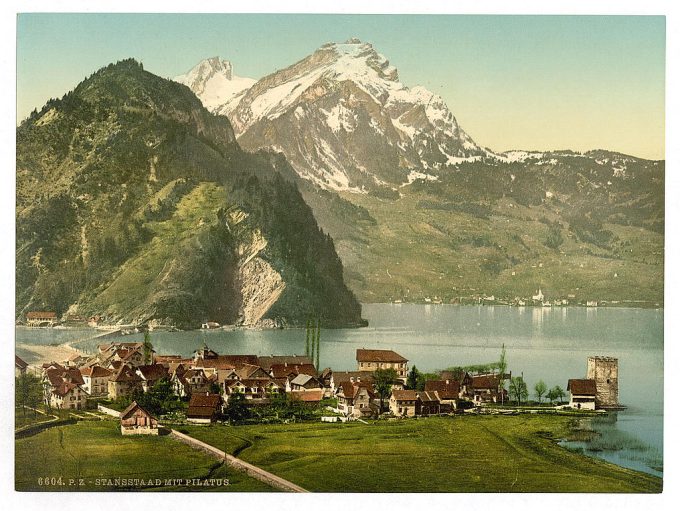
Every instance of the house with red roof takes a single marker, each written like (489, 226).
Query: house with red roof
(191, 381)
(204, 408)
(123, 382)
(355, 399)
(486, 388)
(20, 366)
(428, 403)
(41, 318)
(583, 393)
(67, 395)
(403, 403)
(151, 374)
(307, 397)
(370, 360)
(96, 380)
(448, 391)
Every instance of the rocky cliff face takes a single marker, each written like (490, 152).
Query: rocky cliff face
(136, 204)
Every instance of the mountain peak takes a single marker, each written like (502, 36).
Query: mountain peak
(353, 59)
(213, 81)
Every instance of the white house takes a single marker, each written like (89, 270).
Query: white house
(538, 296)
(583, 394)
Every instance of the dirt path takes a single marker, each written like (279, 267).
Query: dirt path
(251, 470)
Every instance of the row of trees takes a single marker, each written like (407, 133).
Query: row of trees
(312, 341)
(518, 391)
(280, 407)
(28, 392)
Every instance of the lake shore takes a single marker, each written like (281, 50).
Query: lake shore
(36, 355)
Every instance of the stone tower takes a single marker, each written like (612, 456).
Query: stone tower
(605, 372)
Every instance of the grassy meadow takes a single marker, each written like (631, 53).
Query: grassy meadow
(460, 454)
(95, 450)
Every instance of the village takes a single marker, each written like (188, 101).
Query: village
(130, 380)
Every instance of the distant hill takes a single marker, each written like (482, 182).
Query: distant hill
(582, 227)
(136, 204)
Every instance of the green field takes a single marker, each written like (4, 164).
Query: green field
(460, 454)
(95, 450)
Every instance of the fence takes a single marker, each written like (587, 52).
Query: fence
(37, 428)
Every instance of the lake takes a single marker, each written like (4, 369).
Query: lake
(551, 344)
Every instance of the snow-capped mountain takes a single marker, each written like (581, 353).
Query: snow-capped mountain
(345, 121)
(214, 82)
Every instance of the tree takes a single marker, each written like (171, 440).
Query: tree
(540, 388)
(237, 410)
(159, 399)
(148, 348)
(412, 378)
(518, 389)
(318, 341)
(424, 377)
(502, 368)
(382, 380)
(556, 393)
(28, 391)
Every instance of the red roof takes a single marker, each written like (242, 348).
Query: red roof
(213, 363)
(348, 389)
(41, 315)
(96, 372)
(486, 381)
(209, 400)
(405, 395)
(199, 412)
(153, 371)
(355, 376)
(125, 374)
(21, 364)
(64, 388)
(364, 355)
(291, 360)
(282, 370)
(236, 360)
(582, 387)
(447, 389)
(428, 397)
(308, 396)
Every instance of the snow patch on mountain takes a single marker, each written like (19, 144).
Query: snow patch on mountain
(214, 82)
(415, 176)
(339, 117)
(515, 156)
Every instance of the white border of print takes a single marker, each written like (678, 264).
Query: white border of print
(8, 11)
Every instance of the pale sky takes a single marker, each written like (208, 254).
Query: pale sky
(513, 82)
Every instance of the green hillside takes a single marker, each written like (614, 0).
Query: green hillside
(565, 224)
(136, 204)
